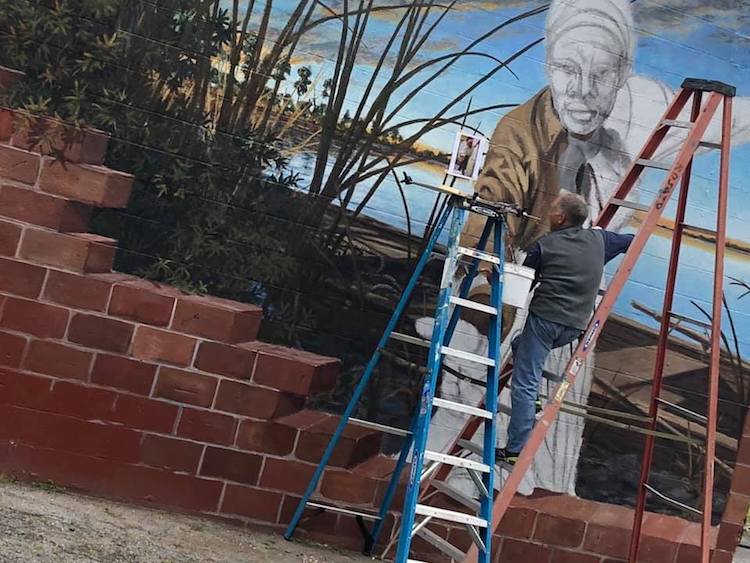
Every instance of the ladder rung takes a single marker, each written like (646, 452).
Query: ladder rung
(550, 376)
(457, 495)
(629, 204)
(450, 515)
(653, 164)
(474, 253)
(458, 407)
(429, 471)
(672, 501)
(471, 446)
(700, 230)
(439, 543)
(456, 461)
(410, 339)
(469, 304)
(346, 511)
(677, 123)
(382, 427)
(687, 413)
(710, 145)
(690, 320)
(467, 356)
(478, 483)
(477, 539)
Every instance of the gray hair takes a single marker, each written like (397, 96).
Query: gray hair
(574, 207)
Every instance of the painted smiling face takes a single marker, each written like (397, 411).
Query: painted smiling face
(585, 72)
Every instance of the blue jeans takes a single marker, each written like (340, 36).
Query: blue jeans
(530, 350)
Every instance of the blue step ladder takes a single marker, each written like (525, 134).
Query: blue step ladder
(424, 462)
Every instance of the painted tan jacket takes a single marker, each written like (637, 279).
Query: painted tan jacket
(521, 167)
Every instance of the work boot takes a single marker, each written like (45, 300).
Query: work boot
(505, 458)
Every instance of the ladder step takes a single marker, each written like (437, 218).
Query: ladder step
(677, 123)
(653, 164)
(470, 446)
(699, 230)
(467, 356)
(457, 495)
(473, 305)
(672, 501)
(690, 320)
(382, 427)
(474, 253)
(450, 515)
(687, 413)
(458, 407)
(410, 339)
(456, 461)
(710, 145)
(348, 512)
(629, 204)
(476, 538)
(439, 543)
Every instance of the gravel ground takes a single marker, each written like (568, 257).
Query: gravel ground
(45, 524)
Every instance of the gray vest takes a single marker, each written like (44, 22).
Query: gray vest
(569, 275)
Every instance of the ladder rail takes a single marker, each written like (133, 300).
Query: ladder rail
(661, 350)
(586, 343)
(364, 380)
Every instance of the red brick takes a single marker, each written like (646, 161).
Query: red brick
(735, 509)
(53, 358)
(205, 426)
(729, 536)
(78, 252)
(518, 523)
(123, 373)
(11, 349)
(44, 210)
(81, 292)
(232, 465)
(48, 430)
(185, 387)
(37, 319)
(607, 540)
(516, 550)
(142, 305)
(76, 400)
(162, 346)
(19, 165)
(171, 453)
(20, 278)
(378, 467)
(10, 234)
(6, 124)
(76, 145)
(139, 484)
(254, 401)
(286, 475)
(266, 437)
(251, 503)
(356, 444)
(23, 389)
(559, 531)
(295, 371)
(96, 185)
(656, 550)
(101, 333)
(689, 553)
(217, 319)
(8, 77)
(223, 359)
(348, 487)
(722, 557)
(304, 419)
(560, 556)
(145, 414)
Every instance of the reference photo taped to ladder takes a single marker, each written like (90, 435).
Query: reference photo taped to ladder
(605, 197)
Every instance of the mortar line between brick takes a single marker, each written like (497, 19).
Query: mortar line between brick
(177, 423)
(221, 496)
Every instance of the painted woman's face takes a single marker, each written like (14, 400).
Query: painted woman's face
(584, 76)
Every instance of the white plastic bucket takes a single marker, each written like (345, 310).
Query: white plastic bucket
(517, 284)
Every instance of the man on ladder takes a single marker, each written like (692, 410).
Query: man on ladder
(569, 262)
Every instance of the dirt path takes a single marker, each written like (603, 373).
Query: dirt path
(41, 524)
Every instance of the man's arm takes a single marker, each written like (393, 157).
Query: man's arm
(615, 244)
(533, 256)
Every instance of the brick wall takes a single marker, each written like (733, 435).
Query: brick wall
(129, 389)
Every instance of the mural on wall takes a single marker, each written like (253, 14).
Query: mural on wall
(580, 131)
